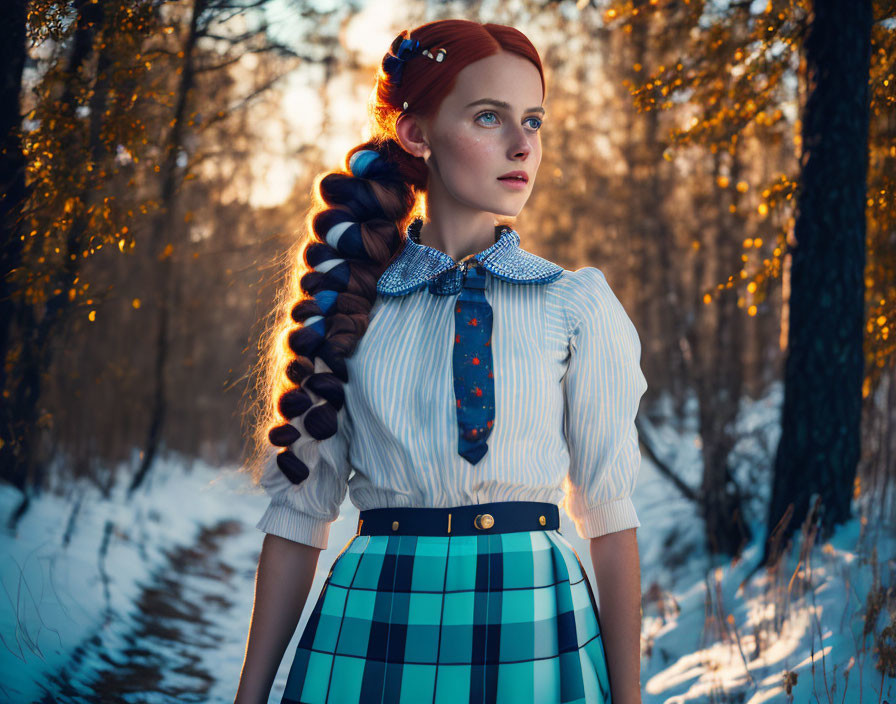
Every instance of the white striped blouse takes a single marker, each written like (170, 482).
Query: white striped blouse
(567, 382)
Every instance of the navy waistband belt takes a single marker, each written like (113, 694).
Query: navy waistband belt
(472, 519)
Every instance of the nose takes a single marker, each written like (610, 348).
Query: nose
(520, 145)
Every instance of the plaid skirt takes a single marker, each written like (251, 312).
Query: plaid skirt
(505, 618)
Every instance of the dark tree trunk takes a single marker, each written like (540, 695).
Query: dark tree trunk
(821, 417)
(13, 194)
(37, 331)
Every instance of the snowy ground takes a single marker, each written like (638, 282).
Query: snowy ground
(149, 600)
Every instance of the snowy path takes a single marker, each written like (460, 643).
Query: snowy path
(150, 601)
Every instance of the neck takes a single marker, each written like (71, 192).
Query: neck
(458, 235)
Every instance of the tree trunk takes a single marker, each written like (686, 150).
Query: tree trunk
(36, 330)
(821, 417)
(720, 387)
(13, 194)
(163, 227)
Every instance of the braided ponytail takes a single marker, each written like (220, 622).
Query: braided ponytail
(353, 237)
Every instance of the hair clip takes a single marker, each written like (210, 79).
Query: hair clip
(438, 58)
(393, 64)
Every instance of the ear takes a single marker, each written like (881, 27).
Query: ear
(412, 136)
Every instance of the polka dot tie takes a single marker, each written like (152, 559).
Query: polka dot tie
(474, 379)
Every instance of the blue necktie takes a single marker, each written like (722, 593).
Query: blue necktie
(474, 382)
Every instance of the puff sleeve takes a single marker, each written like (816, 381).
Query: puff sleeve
(603, 386)
(304, 512)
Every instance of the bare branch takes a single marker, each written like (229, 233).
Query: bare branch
(664, 469)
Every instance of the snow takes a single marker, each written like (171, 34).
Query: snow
(149, 599)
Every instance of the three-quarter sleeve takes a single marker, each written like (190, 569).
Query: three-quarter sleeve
(603, 386)
(304, 512)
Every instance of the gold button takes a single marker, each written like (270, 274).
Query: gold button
(394, 525)
(484, 520)
(542, 520)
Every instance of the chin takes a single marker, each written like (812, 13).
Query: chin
(504, 211)
(508, 205)
(511, 206)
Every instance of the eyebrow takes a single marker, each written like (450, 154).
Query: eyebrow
(501, 104)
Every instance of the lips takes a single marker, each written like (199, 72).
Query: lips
(520, 176)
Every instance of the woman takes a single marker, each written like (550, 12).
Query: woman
(471, 386)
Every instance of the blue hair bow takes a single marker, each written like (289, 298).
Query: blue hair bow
(393, 64)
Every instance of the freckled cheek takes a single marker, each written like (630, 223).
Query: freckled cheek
(472, 156)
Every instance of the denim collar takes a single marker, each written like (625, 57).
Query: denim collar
(418, 266)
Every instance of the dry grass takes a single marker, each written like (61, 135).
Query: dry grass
(753, 638)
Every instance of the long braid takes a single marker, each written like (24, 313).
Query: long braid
(355, 233)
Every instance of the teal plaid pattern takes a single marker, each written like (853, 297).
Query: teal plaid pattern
(505, 618)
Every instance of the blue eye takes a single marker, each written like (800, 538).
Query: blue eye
(484, 114)
(489, 112)
(537, 120)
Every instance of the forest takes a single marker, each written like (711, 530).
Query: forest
(729, 165)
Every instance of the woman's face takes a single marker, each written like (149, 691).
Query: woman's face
(486, 127)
